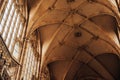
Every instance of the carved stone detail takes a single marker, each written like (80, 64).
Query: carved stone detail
(45, 75)
(6, 61)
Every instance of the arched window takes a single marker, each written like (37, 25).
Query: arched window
(12, 25)
(29, 61)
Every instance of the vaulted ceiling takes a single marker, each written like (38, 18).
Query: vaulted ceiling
(78, 38)
(37, 8)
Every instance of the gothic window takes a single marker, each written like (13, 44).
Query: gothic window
(12, 25)
(29, 61)
(8, 40)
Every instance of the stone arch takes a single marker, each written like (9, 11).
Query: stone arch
(111, 62)
(80, 70)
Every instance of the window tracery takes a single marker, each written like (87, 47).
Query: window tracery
(12, 24)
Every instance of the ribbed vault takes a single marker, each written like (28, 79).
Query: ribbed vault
(40, 9)
(78, 38)
(90, 71)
